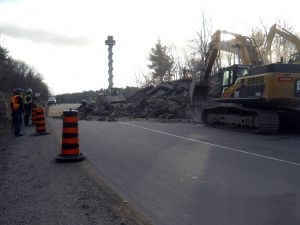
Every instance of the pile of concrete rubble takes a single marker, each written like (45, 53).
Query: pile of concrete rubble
(169, 100)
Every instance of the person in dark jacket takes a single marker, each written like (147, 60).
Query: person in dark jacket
(17, 108)
(27, 106)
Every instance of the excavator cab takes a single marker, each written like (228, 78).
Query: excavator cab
(224, 79)
(231, 73)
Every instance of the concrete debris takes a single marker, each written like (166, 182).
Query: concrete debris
(165, 101)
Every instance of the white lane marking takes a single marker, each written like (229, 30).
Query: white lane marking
(215, 145)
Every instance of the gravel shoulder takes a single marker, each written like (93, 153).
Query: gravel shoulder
(34, 189)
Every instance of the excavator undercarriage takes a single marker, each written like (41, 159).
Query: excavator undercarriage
(242, 118)
(251, 120)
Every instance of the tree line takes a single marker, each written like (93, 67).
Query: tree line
(17, 74)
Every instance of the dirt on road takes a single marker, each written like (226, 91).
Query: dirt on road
(35, 190)
(56, 111)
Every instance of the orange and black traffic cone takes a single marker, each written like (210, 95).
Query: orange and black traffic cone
(40, 122)
(70, 140)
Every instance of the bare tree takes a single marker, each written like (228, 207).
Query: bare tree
(201, 43)
(200, 46)
(143, 79)
(179, 63)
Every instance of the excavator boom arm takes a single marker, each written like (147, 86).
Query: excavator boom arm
(211, 55)
(239, 45)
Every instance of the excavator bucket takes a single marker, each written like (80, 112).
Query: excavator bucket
(198, 93)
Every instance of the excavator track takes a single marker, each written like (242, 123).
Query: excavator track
(242, 119)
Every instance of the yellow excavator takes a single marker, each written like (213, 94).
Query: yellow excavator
(277, 30)
(255, 96)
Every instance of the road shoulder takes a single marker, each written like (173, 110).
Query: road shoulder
(34, 189)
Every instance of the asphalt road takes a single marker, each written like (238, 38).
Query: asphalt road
(179, 174)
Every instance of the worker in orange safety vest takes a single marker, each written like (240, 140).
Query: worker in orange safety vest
(17, 109)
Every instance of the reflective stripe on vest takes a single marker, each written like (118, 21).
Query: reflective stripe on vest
(15, 103)
(26, 101)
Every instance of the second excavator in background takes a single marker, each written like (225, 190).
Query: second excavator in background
(292, 38)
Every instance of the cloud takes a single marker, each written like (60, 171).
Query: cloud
(41, 36)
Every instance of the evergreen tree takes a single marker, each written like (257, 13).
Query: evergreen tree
(161, 63)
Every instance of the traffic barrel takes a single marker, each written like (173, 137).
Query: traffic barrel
(40, 122)
(70, 138)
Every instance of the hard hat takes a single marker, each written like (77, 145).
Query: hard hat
(29, 90)
(18, 90)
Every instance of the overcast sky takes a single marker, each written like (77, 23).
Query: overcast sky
(64, 39)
